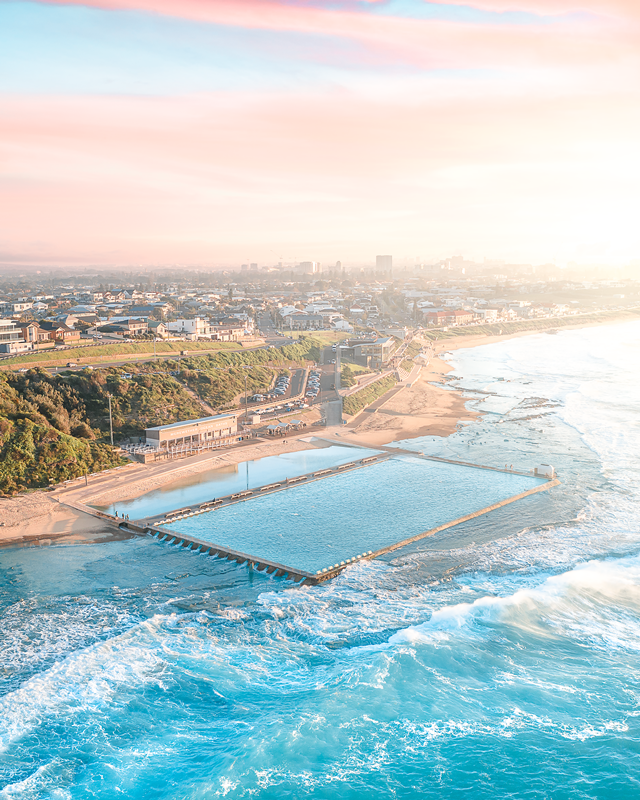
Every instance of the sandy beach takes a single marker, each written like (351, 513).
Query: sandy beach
(43, 515)
(420, 407)
(38, 518)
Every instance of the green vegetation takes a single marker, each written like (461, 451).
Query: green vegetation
(406, 365)
(45, 435)
(364, 397)
(219, 379)
(221, 387)
(413, 348)
(305, 349)
(56, 427)
(357, 369)
(347, 377)
(139, 402)
(518, 326)
(115, 352)
(323, 337)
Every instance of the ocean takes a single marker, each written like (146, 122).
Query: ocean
(497, 659)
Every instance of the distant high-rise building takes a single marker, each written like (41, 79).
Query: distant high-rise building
(308, 267)
(384, 263)
(253, 266)
(244, 267)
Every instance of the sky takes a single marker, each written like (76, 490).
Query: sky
(216, 132)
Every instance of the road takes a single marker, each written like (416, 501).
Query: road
(268, 329)
(295, 387)
(277, 342)
(297, 383)
(327, 377)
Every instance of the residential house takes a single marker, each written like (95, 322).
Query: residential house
(33, 333)
(196, 328)
(299, 321)
(439, 316)
(227, 329)
(150, 309)
(158, 329)
(59, 331)
(11, 339)
(341, 324)
(125, 327)
(12, 307)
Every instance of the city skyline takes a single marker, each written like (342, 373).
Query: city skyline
(156, 132)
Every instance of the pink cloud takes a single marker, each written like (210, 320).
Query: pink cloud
(606, 8)
(211, 179)
(304, 16)
(422, 43)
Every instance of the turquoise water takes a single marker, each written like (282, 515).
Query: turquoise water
(234, 478)
(496, 660)
(319, 524)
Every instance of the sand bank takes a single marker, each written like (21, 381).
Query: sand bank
(38, 517)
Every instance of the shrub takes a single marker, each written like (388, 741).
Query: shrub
(364, 397)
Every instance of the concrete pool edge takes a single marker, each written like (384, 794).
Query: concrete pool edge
(303, 577)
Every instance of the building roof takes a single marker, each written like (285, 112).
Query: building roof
(190, 422)
(51, 325)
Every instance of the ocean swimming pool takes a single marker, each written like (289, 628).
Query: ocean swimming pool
(317, 525)
(221, 481)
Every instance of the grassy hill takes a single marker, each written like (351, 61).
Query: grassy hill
(56, 427)
(355, 402)
(45, 437)
(92, 353)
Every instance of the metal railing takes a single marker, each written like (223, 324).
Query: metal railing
(183, 450)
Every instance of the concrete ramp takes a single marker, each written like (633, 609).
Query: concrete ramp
(332, 412)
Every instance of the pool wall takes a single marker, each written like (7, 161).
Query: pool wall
(281, 570)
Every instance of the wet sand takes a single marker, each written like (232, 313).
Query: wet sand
(39, 518)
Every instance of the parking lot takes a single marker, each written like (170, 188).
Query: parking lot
(279, 398)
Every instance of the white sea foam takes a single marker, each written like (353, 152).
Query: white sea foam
(588, 371)
(46, 778)
(91, 678)
(560, 601)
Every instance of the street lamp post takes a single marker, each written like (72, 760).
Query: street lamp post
(110, 420)
(246, 396)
